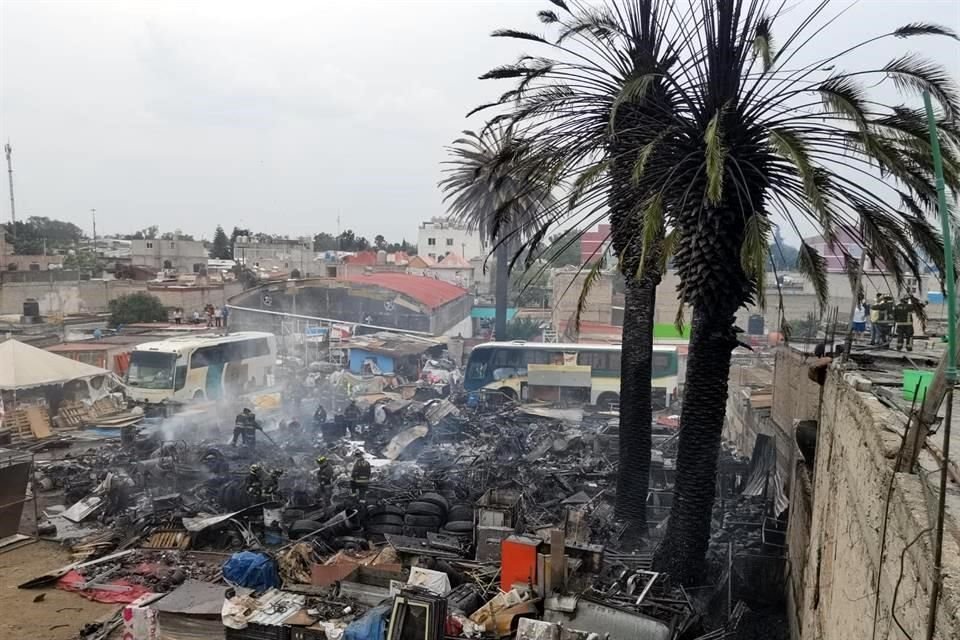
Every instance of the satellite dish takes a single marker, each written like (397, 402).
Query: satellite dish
(267, 300)
(388, 305)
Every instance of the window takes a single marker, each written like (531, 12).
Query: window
(662, 364)
(600, 361)
(508, 358)
(196, 267)
(432, 242)
(449, 242)
(151, 370)
(173, 245)
(149, 245)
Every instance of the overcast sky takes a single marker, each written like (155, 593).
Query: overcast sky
(275, 116)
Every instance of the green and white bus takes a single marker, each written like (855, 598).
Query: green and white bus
(205, 367)
(514, 368)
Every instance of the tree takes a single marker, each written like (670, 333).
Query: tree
(149, 233)
(495, 185)
(37, 234)
(324, 242)
(347, 241)
(746, 143)
(530, 289)
(379, 242)
(592, 103)
(221, 249)
(564, 249)
(783, 257)
(136, 307)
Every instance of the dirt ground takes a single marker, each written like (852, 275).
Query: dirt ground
(59, 615)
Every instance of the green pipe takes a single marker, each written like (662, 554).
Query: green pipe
(951, 373)
(947, 241)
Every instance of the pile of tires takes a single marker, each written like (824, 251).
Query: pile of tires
(459, 522)
(425, 515)
(384, 519)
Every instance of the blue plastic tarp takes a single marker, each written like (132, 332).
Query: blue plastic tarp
(372, 626)
(252, 570)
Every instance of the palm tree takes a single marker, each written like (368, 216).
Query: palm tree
(496, 185)
(588, 104)
(757, 135)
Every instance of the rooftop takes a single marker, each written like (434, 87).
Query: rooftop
(427, 291)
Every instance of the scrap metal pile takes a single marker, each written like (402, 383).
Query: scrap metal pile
(434, 520)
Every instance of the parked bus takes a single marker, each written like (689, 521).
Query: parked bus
(587, 372)
(200, 367)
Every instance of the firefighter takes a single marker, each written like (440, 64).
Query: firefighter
(885, 320)
(324, 477)
(360, 476)
(903, 317)
(271, 485)
(351, 416)
(245, 427)
(254, 482)
(319, 416)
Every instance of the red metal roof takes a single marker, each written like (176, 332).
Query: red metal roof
(427, 291)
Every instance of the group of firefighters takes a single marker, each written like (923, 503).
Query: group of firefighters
(264, 485)
(889, 318)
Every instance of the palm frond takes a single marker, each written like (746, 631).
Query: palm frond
(811, 264)
(715, 153)
(755, 252)
(843, 95)
(547, 17)
(518, 35)
(763, 42)
(924, 29)
(913, 73)
(591, 279)
(653, 228)
(632, 92)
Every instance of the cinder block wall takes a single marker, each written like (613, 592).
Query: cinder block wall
(841, 585)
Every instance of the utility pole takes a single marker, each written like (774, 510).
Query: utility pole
(93, 212)
(13, 210)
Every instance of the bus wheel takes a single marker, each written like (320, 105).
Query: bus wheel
(198, 395)
(607, 401)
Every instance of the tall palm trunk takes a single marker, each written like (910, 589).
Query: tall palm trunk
(712, 341)
(636, 440)
(502, 287)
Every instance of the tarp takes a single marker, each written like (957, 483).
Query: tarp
(23, 366)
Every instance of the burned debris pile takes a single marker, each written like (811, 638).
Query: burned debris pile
(389, 519)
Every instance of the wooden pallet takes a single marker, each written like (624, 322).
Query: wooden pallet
(27, 423)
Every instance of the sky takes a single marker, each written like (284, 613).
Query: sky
(280, 117)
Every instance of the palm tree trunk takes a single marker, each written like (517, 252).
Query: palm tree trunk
(502, 286)
(684, 548)
(633, 476)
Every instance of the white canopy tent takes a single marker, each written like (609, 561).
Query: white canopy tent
(24, 367)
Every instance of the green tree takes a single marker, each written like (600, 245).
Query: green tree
(379, 242)
(136, 307)
(783, 257)
(221, 249)
(348, 241)
(36, 234)
(564, 249)
(747, 144)
(591, 102)
(495, 185)
(149, 233)
(324, 242)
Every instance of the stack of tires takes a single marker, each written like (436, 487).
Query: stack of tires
(460, 522)
(384, 519)
(425, 515)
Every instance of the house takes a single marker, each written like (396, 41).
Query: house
(452, 268)
(390, 353)
(182, 256)
(593, 244)
(439, 236)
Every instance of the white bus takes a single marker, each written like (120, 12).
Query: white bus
(508, 368)
(205, 367)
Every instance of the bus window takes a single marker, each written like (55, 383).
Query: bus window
(508, 359)
(663, 364)
(208, 356)
(150, 370)
(180, 377)
(477, 365)
(601, 363)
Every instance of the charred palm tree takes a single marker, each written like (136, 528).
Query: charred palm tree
(496, 185)
(590, 103)
(757, 135)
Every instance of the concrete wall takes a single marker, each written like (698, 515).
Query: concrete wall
(182, 254)
(838, 565)
(91, 296)
(795, 396)
(567, 283)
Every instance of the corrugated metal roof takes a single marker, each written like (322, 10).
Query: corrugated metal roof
(427, 291)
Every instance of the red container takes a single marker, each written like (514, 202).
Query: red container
(518, 561)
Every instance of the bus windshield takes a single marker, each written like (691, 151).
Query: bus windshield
(151, 370)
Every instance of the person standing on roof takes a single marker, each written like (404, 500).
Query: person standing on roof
(903, 317)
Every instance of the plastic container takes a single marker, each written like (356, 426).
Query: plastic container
(911, 377)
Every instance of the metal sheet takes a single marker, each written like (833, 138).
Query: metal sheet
(615, 624)
(275, 606)
(196, 598)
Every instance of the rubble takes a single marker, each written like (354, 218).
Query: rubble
(475, 518)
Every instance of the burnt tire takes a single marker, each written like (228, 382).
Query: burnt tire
(430, 522)
(418, 508)
(301, 528)
(459, 526)
(385, 509)
(418, 532)
(386, 518)
(381, 529)
(460, 512)
(435, 498)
